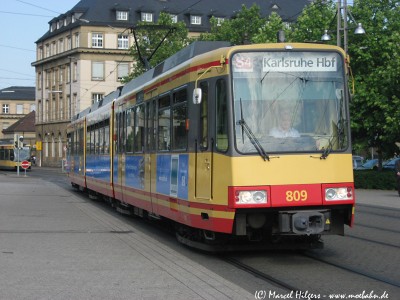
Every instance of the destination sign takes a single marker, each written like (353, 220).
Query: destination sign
(311, 63)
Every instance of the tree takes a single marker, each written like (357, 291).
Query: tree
(239, 30)
(268, 31)
(314, 18)
(375, 108)
(149, 37)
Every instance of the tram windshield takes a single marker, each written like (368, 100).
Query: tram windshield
(289, 102)
(24, 154)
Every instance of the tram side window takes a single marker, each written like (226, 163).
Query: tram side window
(80, 141)
(101, 138)
(129, 130)
(70, 139)
(96, 139)
(151, 125)
(221, 116)
(139, 128)
(164, 120)
(179, 116)
(91, 141)
(204, 116)
(121, 118)
(106, 136)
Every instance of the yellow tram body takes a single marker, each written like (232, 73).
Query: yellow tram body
(188, 141)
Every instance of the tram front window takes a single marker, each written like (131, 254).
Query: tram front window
(289, 101)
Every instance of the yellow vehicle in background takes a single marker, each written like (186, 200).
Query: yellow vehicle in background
(11, 157)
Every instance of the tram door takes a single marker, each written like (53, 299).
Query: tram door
(119, 157)
(203, 151)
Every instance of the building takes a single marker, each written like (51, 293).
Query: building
(16, 102)
(24, 127)
(84, 54)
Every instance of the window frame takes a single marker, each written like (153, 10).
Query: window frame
(97, 40)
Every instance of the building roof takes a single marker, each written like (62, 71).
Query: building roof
(18, 93)
(102, 12)
(26, 124)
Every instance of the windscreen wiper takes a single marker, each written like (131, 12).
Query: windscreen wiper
(251, 136)
(327, 151)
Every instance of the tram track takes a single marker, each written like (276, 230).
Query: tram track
(355, 271)
(372, 241)
(262, 275)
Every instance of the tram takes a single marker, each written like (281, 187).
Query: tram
(11, 157)
(245, 144)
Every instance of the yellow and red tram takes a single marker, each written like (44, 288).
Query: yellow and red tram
(247, 143)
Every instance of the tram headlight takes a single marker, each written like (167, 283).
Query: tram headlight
(338, 193)
(251, 197)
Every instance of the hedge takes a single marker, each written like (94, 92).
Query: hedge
(374, 179)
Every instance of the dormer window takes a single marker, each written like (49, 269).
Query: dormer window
(121, 15)
(275, 7)
(174, 18)
(146, 17)
(195, 20)
(220, 20)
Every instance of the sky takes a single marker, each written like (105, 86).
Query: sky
(22, 23)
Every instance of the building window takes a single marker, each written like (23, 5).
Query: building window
(32, 108)
(69, 43)
(195, 20)
(75, 74)
(97, 40)
(147, 17)
(61, 76)
(77, 40)
(220, 21)
(40, 53)
(39, 81)
(174, 18)
(20, 109)
(96, 97)
(123, 41)
(53, 49)
(60, 46)
(53, 146)
(47, 79)
(47, 50)
(97, 70)
(123, 70)
(6, 108)
(122, 15)
(68, 73)
(54, 77)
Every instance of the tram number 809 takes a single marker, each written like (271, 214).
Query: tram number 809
(296, 196)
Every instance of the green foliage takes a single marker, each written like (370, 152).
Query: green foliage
(313, 20)
(238, 30)
(373, 179)
(149, 38)
(375, 57)
(375, 110)
(267, 33)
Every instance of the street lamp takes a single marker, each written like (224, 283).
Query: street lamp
(359, 29)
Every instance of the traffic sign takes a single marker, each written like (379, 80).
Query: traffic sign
(25, 164)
